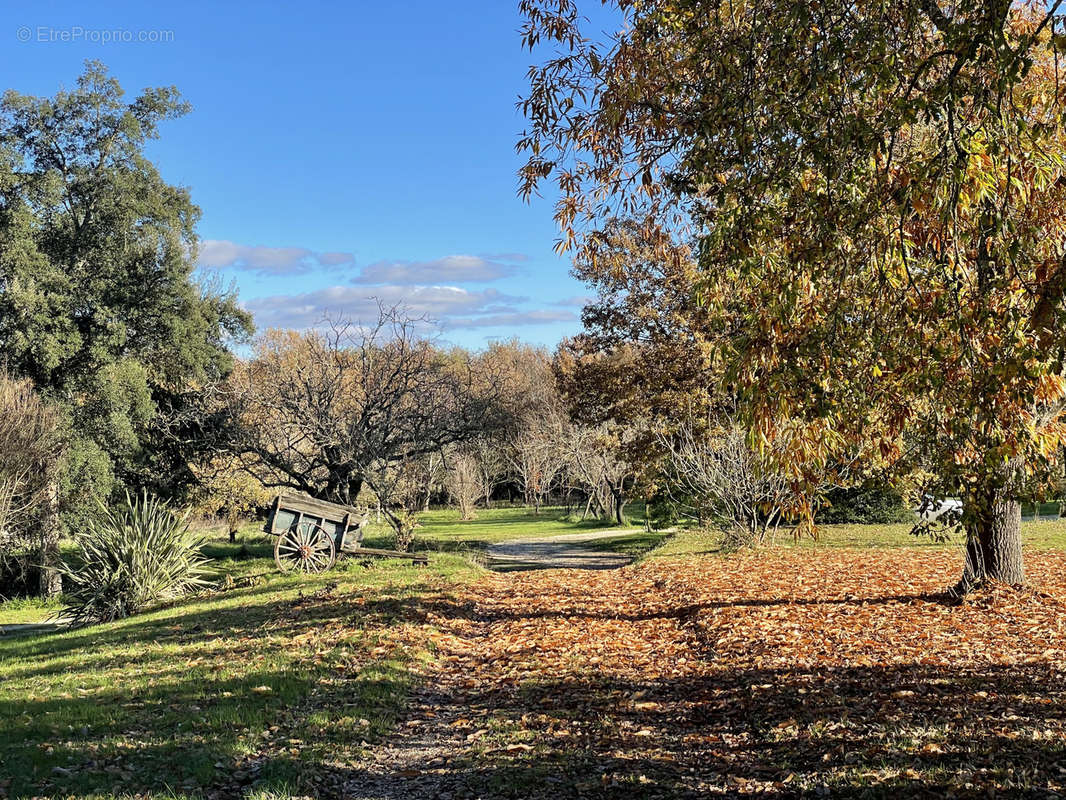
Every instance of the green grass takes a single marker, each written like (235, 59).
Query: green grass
(241, 691)
(1043, 535)
(634, 545)
(258, 682)
(439, 531)
(443, 530)
(22, 610)
(244, 692)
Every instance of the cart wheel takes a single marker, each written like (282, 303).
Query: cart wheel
(305, 549)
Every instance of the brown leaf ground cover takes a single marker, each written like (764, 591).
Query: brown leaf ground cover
(791, 673)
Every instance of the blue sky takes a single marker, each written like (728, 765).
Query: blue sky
(339, 151)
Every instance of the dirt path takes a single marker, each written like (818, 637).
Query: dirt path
(838, 674)
(556, 552)
(31, 628)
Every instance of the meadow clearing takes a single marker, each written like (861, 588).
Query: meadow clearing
(834, 666)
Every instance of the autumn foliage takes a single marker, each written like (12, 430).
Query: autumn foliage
(866, 202)
(841, 673)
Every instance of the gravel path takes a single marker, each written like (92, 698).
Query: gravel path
(556, 552)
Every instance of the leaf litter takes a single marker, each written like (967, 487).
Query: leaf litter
(778, 673)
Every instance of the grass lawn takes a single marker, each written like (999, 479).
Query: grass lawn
(253, 685)
(445, 531)
(635, 544)
(1043, 535)
(283, 686)
(28, 610)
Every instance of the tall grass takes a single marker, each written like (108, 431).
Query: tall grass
(131, 557)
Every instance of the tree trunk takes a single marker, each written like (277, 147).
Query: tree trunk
(588, 507)
(50, 581)
(994, 546)
(619, 506)
(429, 484)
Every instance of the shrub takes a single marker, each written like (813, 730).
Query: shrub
(131, 557)
(404, 523)
(32, 450)
(864, 505)
(712, 474)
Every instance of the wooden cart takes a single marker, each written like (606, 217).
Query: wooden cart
(312, 533)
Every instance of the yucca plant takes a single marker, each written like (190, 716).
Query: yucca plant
(131, 557)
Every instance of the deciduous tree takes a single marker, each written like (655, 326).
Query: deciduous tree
(595, 462)
(328, 411)
(463, 479)
(32, 451)
(224, 486)
(876, 195)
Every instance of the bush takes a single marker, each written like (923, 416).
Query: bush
(404, 524)
(869, 506)
(31, 454)
(129, 558)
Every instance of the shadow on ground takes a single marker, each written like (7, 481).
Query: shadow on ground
(718, 727)
(842, 733)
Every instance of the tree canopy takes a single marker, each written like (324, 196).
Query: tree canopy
(873, 193)
(99, 306)
(328, 411)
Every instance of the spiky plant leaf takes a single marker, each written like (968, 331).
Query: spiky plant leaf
(131, 557)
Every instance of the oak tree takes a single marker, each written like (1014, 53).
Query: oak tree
(99, 306)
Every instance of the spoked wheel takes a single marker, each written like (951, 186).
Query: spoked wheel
(305, 549)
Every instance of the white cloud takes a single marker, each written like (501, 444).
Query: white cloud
(517, 258)
(538, 317)
(360, 304)
(447, 270)
(579, 301)
(449, 308)
(222, 254)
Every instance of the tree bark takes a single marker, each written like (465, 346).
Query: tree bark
(427, 496)
(994, 545)
(50, 581)
(619, 506)
(588, 507)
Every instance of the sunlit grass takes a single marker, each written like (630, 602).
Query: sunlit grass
(21, 610)
(279, 669)
(444, 530)
(298, 668)
(277, 673)
(1047, 534)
